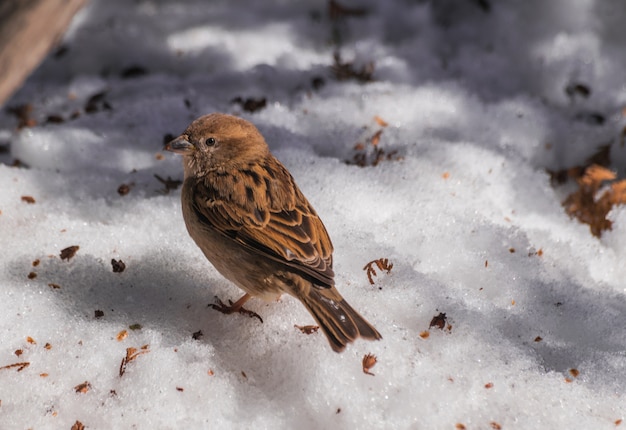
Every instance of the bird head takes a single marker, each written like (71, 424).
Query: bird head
(218, 142)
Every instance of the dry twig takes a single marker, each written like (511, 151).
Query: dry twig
(381, 263)
(131, 354)
(20, 366)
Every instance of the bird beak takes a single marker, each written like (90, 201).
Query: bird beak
(180, 145)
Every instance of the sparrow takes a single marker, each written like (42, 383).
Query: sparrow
(245, 212)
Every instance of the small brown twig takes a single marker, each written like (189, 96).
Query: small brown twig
(381, 263)
(131, 354)
(20, 366)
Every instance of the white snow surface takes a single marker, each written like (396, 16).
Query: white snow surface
(474, 96)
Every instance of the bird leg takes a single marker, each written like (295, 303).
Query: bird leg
(235, 307)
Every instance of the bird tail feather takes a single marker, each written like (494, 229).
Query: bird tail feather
(338, 320)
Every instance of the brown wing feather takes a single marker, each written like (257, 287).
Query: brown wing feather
(265, 211)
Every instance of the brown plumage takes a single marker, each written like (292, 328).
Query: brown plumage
(243, 209)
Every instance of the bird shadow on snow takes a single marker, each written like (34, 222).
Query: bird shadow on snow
(164, 299)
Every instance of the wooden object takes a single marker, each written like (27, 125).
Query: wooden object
(28, 30)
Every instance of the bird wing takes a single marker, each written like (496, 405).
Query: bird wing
(264, 211)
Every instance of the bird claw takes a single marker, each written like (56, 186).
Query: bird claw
(232, 308)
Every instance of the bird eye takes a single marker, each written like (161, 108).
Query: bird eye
(210, 141)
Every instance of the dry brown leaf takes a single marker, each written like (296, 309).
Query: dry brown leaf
(375, 139)
(369, 361)
(83, 388)
(601, 157)
(69, 252)
(308, 329)
(596, 174)
(587, 206)
(617, 195)
(380, 121)
(78, 426)
(124, 189)
(118, 265)
(438, 321)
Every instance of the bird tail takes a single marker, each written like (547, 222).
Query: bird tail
(339, 321)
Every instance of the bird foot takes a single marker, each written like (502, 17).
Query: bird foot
(234, 307)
